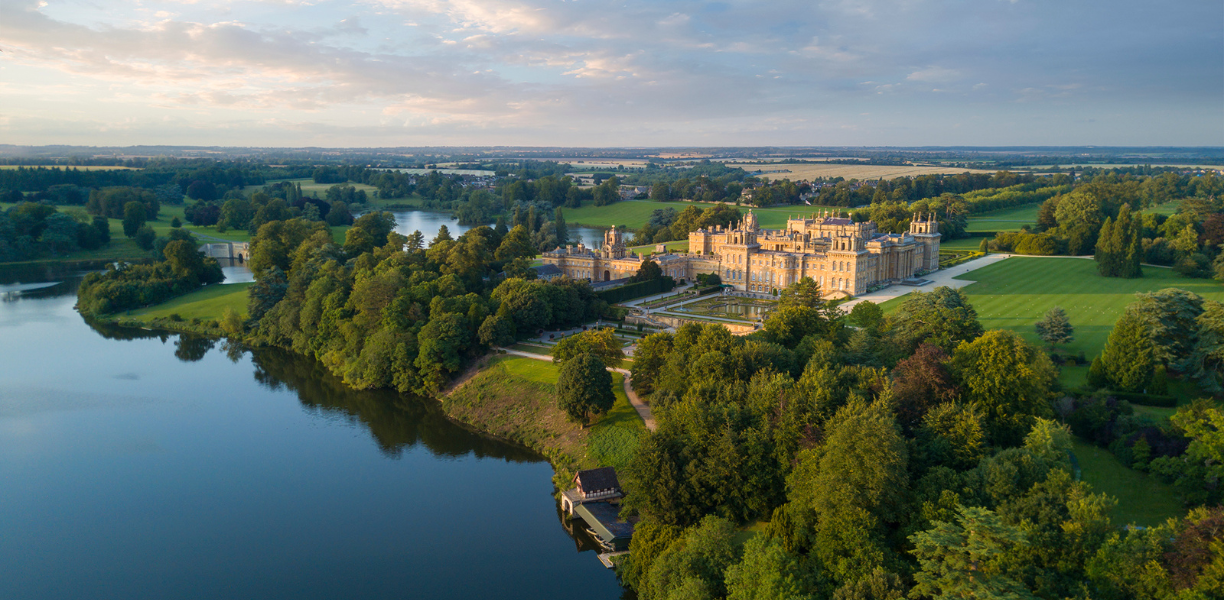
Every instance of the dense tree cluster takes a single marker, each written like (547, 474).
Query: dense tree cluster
(382, 310)
(1087, 219)
(1172, 330)
(31, 230)
(125, 286)
(667, 224)
(944, 476)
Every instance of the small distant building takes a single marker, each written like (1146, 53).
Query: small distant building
(595, 498)
(547, 272)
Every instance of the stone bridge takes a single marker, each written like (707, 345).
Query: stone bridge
(240, 251)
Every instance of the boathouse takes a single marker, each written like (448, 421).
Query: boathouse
(595, 498)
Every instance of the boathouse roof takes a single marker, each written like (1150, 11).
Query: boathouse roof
(603, 478)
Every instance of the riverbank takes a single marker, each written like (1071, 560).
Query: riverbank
(513, 397)
(504, 396)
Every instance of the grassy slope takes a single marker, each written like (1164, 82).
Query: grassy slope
(205, 303)
(514, 398)
(1142, 499)
(1015, 293)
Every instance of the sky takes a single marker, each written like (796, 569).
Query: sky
(595, 73)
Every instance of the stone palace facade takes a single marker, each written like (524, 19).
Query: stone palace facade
(844, 257)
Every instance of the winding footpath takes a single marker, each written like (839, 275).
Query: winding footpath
(641, 407)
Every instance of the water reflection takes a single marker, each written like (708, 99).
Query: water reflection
(396, 421)
(428, 223)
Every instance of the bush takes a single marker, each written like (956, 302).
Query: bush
(637, 290)
(145, 236)
(1145, 399)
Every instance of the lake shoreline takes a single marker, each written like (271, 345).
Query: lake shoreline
(563, 462)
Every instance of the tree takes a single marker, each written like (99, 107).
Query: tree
(516, 244)
(1054, 328)
(867, 315)
(176, 223)
(805, 292)
(964, 559)
(1206, 361)
(984, 246)
(231, 322)
(1128, 359)
(920, 383)
(562, 231)
(145, 236)
(695, 565)
(652, 352)
(265, 293)
(134, 216)
(767, 572)
(496, 331)
(443, 235)
(1008, 379)
(942, 317)
(584, 389)
(602, 343)
(845, 492)
(879, 585)
(649, 271)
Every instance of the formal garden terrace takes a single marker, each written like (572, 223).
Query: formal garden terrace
(728, 307)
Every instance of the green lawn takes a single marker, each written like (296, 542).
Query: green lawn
(309, 187)
(648, 249)
(970, 244)
(1142, 499)
(206, 303)
(1016, 292)
(1024, 212)
(634, 213)
(612, 440)
(1004, 219)
(1167, 208)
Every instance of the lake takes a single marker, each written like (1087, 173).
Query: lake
(428, 223)
(143, 464)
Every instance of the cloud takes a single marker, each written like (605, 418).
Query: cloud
(935, 75)
(544, 71)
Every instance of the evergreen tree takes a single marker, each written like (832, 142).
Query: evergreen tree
(1128, 358)
(965, 559)
(443, 235)
(1054, 328)
(561, 231)
(1132, 254)
(1106, 255)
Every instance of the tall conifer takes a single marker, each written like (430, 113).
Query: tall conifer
(1106, 249)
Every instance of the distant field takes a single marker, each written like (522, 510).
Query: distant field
(634, 213)
(795, 172)
(208, 302)
(1142, 499)
(309, 187)
(1015, 293)
(82, 168)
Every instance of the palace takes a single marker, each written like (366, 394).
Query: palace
(844, 257)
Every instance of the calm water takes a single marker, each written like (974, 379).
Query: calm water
(428, 224)
(136, 464)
